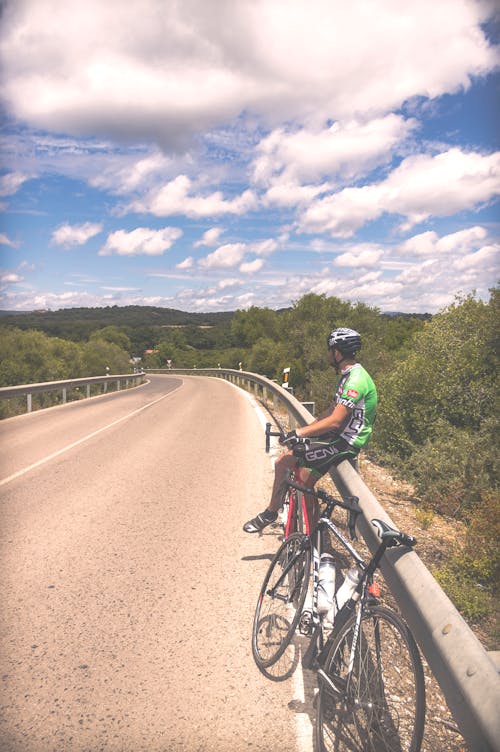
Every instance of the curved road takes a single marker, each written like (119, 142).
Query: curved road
(128, 585)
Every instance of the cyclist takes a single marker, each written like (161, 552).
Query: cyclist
(337, 434)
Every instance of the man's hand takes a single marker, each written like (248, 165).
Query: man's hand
(290, 438)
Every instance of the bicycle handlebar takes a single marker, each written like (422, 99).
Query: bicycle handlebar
(293, 442)
(270, 433)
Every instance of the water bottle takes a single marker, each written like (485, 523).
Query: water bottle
(345, 591)
(326, 584)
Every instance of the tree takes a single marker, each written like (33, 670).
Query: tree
(28, 357)
(267, 358)
(247, 327)
(113, 334)
(98, 356)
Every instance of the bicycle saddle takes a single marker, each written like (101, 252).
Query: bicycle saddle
(392, 536)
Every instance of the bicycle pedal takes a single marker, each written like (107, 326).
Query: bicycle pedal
(306, 623)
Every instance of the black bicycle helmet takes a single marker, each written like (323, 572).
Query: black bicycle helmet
(346, 340)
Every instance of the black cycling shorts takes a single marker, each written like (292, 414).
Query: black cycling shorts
(322, 455)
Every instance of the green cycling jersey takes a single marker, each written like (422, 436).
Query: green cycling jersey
(356, 391)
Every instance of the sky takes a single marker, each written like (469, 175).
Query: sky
(211, 155)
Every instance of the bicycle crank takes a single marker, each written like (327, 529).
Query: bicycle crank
(306, 623)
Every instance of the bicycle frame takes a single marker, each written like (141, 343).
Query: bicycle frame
(325, 523)
(293, 500)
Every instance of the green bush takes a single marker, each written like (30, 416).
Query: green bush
(452, 471)
(437, 420)
(28, 357)
(471, 574)
(457, 580)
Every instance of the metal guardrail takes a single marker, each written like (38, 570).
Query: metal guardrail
(27, 390)
(465, 672)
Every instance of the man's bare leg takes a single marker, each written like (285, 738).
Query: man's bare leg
(283, 464)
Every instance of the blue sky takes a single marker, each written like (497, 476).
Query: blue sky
(212, 155)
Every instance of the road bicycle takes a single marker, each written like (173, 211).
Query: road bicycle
(370, 677)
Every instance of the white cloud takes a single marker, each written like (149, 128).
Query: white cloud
(231, 254)
(226, 256)
(120, 289)
(361, 256)
(77, 68)
(441, 185)
(245, 300)
(346, 149)
(264, 247)
(227, 283)
(141, 241)
(9, 278)
(381, 288)
(71, 235)
(174, 198)
(327, 286)
(429, 243)
(342, 213)
(292, 194)
(5, 240)
(299, 100)
(210, 237)
(370, 277)
(422, 186)
(250, 267)
(132, 176)
(487, 257)
(11, 182)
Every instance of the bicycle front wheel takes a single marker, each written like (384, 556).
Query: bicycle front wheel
(380, 705)
(281, 600)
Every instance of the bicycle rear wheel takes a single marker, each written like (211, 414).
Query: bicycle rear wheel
(382, 705)
(281, 600)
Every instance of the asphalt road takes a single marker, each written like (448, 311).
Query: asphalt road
(128, 586)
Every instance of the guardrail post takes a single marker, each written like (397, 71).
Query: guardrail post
(88, 391)
(64, 395)
(118, 385)
(29, 401)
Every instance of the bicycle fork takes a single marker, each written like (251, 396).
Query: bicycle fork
(310, 619)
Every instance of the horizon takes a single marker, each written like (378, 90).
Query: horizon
(6, 312)
(152, 156)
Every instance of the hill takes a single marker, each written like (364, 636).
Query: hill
(77, 324)
(133, 315)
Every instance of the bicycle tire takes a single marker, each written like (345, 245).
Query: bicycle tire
(281, 600)
(384, 706)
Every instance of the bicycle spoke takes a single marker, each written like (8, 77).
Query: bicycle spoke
(281, 600)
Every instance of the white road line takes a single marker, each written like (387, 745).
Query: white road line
(52, 456)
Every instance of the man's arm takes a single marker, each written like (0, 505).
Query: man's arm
(333, 421)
